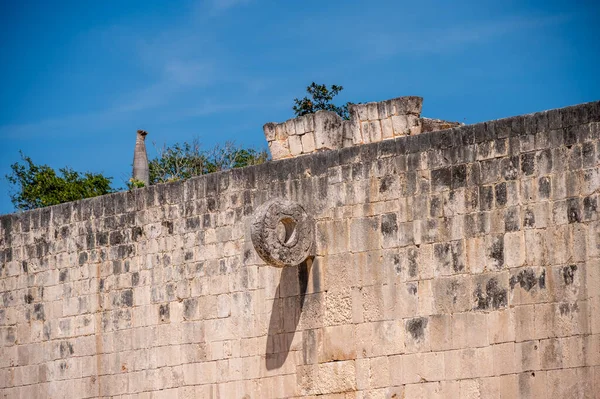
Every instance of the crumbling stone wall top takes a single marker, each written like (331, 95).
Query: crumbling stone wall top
(369, 123)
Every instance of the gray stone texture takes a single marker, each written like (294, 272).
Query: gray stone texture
(141, 172)
(455, 263)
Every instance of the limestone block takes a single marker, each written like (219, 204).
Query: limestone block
(338, 343)
(501, 326)
(365, 128)
(379, 372)
(359, 111)
(270, 131)
(300, 125)
(280, 131)
(327, 378)
(279, 149)
(372, 112)
(290, 127)
(400, 125)
(375, 131)
(414, 124)
(504, 358)
(407, 105)
(387, 130)
(328, 131)
(295, 143)
(308, 143)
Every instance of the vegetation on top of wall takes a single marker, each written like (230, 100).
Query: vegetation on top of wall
(184, 160)
(320, 100)
(37, 186)
(40, 185)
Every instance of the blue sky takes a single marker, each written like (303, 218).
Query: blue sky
(79, 78)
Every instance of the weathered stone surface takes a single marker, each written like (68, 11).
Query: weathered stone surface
(454, 263)
(282, 233)
(328, 130)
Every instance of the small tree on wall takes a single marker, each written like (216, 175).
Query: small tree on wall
(320, 100)
(183, 160)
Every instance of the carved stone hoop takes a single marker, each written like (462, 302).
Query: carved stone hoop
(282, 233)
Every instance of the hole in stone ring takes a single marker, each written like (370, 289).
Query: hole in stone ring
(286, 231)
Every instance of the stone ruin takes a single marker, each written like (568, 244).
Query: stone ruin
(379, 257)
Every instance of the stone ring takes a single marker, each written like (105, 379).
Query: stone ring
(282, 233)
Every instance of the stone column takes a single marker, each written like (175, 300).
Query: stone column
(140, 159)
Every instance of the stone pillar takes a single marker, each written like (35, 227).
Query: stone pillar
(140, 159)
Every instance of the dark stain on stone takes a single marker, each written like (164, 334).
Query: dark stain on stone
(542, 279)
(412, 289)
(63, 366)
(170, 291)
(494, 296)
(117, 267)
(416, 327)
(528, 163)
(501, 196)
(127, 298)
(397, 264)
(192, 223)
(101, 285)
(124, 251)
(459, 176)
(566, 308)
(222, 266)
(526, 279)
(169, 225)
(497, 251)
(164, 313)
(116, 238)
(511, 219)
(83, 257)
(211, 204)
(135, 278)
(62, 276)
(544, 187)
(136, 233)
(47, 331)
(529, 218)
(28, 298)
(412, 262)
(441, 178)
(247, 254)
(189, 255)
(389, 224)
(189, 308)
(385, 183)
(101, 238)
(24, 266)
(568, 273)
(38, 311)
(573, 213)
(590, 207)
(66, 349)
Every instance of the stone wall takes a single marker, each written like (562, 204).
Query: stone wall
(455, 263)
(368, 123)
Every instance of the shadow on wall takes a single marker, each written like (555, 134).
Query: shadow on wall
(286, 312)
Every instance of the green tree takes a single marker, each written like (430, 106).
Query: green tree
(182, 161)
(39, 185)
(320, 99)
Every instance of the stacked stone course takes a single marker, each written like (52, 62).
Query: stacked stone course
(455, 263)
(368, 123)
